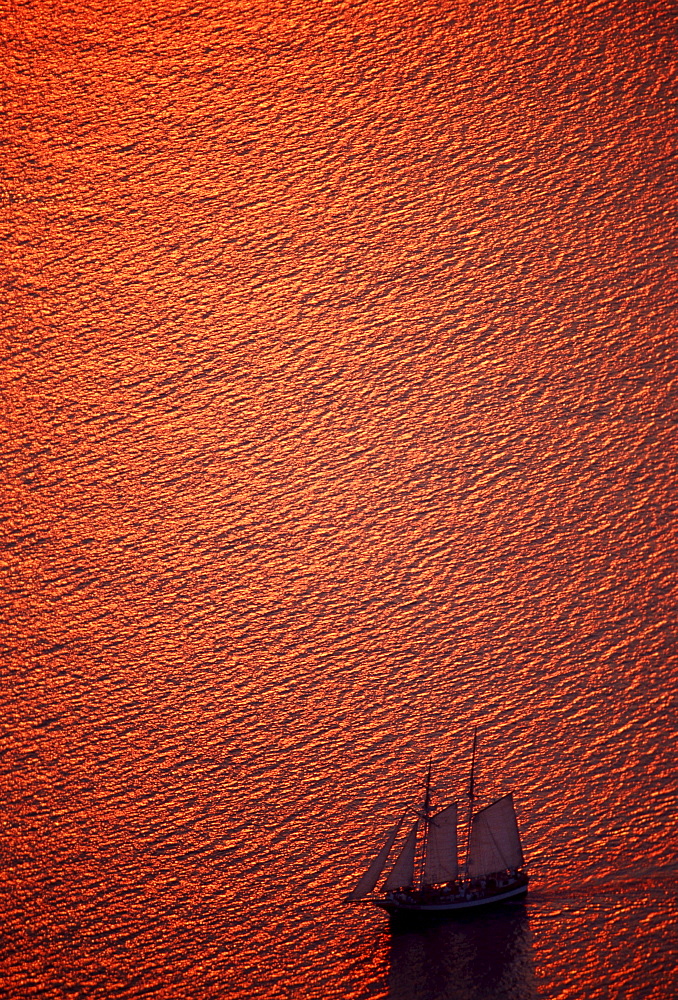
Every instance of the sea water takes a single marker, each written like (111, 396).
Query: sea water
(340, 417)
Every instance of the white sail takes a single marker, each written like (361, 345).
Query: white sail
(441, 847)
(495, 841)
(402, 873)
(369, 879)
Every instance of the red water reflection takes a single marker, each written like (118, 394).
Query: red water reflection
(340, 418)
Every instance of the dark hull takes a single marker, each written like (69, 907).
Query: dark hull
(437, 905)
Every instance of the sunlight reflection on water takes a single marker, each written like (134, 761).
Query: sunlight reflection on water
(341, 394)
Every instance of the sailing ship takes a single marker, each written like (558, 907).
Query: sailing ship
(426, 877)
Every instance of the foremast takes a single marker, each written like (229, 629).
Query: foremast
(425, 815)
(438, 845)
(471, 801)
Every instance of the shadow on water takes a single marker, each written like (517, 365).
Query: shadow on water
(486, 957)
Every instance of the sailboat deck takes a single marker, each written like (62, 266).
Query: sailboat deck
(443, 901)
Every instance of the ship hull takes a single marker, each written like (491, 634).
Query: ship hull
(442, 907)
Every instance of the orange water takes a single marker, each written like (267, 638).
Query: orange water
(340, 394)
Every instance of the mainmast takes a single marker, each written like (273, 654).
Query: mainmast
(471, 799)
(426, 816)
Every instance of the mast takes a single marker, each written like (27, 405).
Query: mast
(426, 816)
(471, 799)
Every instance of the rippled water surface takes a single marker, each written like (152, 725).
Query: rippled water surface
(340, 416)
